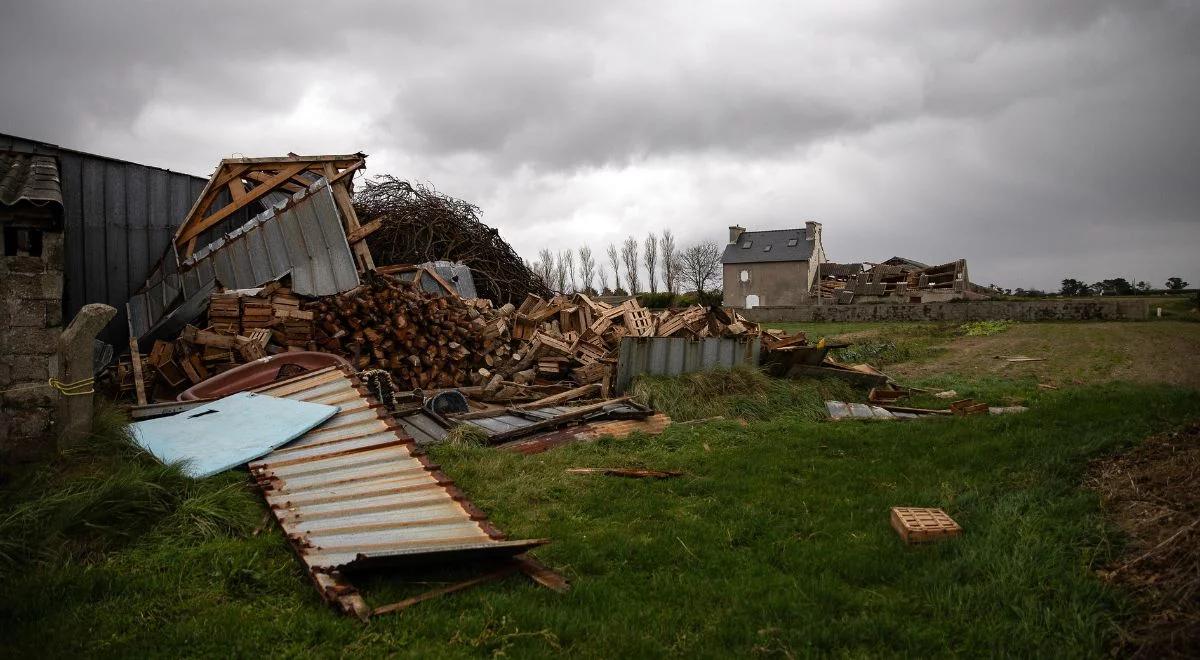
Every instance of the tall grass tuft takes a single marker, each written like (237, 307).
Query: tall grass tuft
(107, 493)
(737, 393)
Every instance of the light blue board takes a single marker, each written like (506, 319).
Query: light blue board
(229, 432)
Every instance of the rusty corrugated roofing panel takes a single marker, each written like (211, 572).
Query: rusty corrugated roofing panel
(356, 491)
(30, 178)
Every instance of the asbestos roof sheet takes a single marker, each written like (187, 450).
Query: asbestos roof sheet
(229, 432)
(30, 178)
(355, 490)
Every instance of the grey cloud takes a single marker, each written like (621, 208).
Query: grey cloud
(1039, 133)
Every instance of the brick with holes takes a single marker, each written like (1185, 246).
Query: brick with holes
(917, 525)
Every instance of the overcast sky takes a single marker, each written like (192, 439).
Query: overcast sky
(1038, 140)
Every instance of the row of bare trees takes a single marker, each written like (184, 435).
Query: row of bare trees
(658, 257)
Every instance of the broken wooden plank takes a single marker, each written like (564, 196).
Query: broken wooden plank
(633, 473)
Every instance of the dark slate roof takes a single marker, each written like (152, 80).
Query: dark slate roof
(840, 271)
(759, 241)
(30, 178)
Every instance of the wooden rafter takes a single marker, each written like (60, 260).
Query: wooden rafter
(249, 179)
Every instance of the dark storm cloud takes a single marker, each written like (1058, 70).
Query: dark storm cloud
(1037, 139)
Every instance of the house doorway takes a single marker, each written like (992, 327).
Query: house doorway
(752, 301)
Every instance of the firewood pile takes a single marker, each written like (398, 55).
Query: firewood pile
(577, 338)
(423, 340)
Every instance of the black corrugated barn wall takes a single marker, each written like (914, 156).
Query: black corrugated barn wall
(118, 218)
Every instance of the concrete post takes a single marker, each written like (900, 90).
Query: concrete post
(75, 347)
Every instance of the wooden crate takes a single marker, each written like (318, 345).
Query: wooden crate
(917, 525)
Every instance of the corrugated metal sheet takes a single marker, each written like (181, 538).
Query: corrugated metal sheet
(301, 235)
(671, 356)
(457, 274)
(29, 178)
(118, 218)
(353, 492)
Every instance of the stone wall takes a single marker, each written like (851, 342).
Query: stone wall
(960, 311)
(30, 324)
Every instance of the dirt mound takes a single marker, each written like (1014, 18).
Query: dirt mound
(1153, 494)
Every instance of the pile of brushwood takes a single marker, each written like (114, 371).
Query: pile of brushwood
(420, 224)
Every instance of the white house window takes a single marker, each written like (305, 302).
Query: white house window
(792, 242)
(744, 276)
(767, 249)
(747, 244)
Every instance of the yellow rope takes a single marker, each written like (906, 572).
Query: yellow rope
(78, 388)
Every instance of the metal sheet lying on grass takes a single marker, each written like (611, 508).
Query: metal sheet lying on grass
(671, 356)
(355, 492)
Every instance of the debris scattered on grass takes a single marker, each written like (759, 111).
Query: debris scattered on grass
(985, 328)
(633, 473)
(948, 394)
(1153, 494)
(1019, 358)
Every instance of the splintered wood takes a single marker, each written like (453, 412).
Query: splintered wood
(243, 326)
(917, 525)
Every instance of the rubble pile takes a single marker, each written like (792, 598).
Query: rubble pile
(242, 326)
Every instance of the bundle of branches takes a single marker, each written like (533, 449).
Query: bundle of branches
(420, 339)
(421, 224)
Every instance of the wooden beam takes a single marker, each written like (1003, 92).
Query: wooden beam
(364, 231)
(506, 570)
(342, 160)
(135, 360)
(222, 176)
(198, 226)
(542, 574)
(348, 171)
(262, 177)
(346, 207)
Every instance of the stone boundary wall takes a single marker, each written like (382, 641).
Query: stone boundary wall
(961, 311)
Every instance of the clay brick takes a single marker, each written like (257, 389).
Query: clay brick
(29, 341)
(34, 423)
(44, 286)
(26, 314)
(53, 313)
(31, 367)
(29, 394)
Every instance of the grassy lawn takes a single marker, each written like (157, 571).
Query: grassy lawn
(776, 542)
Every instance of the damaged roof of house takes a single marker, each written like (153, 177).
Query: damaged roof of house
(31, 178)
(767, 246)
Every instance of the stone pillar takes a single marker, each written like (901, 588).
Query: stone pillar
(30, 323)
(75, 347)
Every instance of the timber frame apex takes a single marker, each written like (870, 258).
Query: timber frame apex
(250, 179)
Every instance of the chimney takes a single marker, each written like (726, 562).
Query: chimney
(735, 232)
(812, 230)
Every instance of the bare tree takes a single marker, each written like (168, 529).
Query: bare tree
(629, 254)
(650, 259)
(700, 265)
(561, 268)
(614, 258)
(670, 261)
(602, 275)
(587, 268)
(544, 268)
(568, 257)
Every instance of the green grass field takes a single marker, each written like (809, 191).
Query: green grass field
(775, 542)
